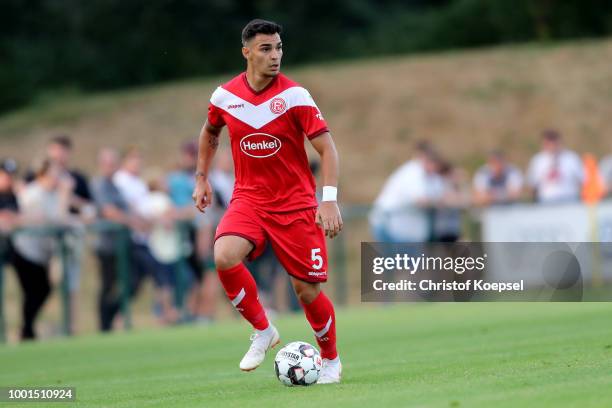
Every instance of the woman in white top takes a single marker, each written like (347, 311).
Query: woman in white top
(43, 202)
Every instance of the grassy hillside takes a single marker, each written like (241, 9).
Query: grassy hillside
(443, 355)
(466, 102)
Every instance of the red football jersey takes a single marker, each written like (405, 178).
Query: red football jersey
(267, 130)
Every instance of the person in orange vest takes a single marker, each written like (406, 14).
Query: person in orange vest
(593, 188)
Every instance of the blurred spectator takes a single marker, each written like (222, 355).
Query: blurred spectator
(112, 207)
(129, 182)
(448, 208)
(400, 213)
(59, 153)
(43, 201)
(136, 193)
(182, 181)
(605, 169)
(181, 184)
(555, 174)
(497, 182)
(8, 201)
(221, 178)
(166, 237)
(593, 185)
(36, 287)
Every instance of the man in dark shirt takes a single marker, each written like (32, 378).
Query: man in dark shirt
(497, 182)
(59, 151)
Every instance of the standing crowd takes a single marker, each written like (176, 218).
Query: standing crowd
(153, 210)
(423, 200)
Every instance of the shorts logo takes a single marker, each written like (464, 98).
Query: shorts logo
(313, 273)
(260, 145)
(278, 105)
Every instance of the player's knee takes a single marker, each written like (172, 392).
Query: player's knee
(307, 296)
(229, 251)
(306, 292)
(225, 259)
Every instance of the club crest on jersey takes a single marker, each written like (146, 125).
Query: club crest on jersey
(278, 105)
(260, 145)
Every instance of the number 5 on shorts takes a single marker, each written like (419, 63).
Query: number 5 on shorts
(316, 258)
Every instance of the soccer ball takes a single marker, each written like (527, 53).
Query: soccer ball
(297, 363)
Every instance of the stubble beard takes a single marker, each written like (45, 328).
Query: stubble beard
(271, 75)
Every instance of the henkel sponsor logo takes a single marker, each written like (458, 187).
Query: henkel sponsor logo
(236, 106)
(260, 145)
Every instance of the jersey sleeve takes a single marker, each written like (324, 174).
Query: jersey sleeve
(309, 117)
(215, 113)
(215, 116)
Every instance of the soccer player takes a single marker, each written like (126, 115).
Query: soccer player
(268, 116)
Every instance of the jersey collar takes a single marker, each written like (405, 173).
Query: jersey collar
(264, 89)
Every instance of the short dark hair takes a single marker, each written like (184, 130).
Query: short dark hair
(551, 135)
(423, 147)
(62, 140)
(259, 26)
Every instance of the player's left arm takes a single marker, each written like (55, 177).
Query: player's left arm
(328, 214)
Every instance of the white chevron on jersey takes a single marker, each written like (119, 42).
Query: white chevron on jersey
(257, 116)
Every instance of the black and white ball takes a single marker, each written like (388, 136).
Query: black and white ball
(298, 363)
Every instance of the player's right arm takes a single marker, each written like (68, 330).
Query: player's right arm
(208, 144)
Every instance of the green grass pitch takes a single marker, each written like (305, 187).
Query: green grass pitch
(424, 355)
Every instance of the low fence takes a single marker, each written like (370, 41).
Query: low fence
(512, 223)
(62, 235)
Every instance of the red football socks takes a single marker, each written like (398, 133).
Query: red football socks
(320, 315)
(241, 289)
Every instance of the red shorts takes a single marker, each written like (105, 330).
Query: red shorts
(297, 241)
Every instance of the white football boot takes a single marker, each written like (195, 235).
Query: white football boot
(331, 371)
(262, 341)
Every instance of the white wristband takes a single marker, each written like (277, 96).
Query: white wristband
(330, 193)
